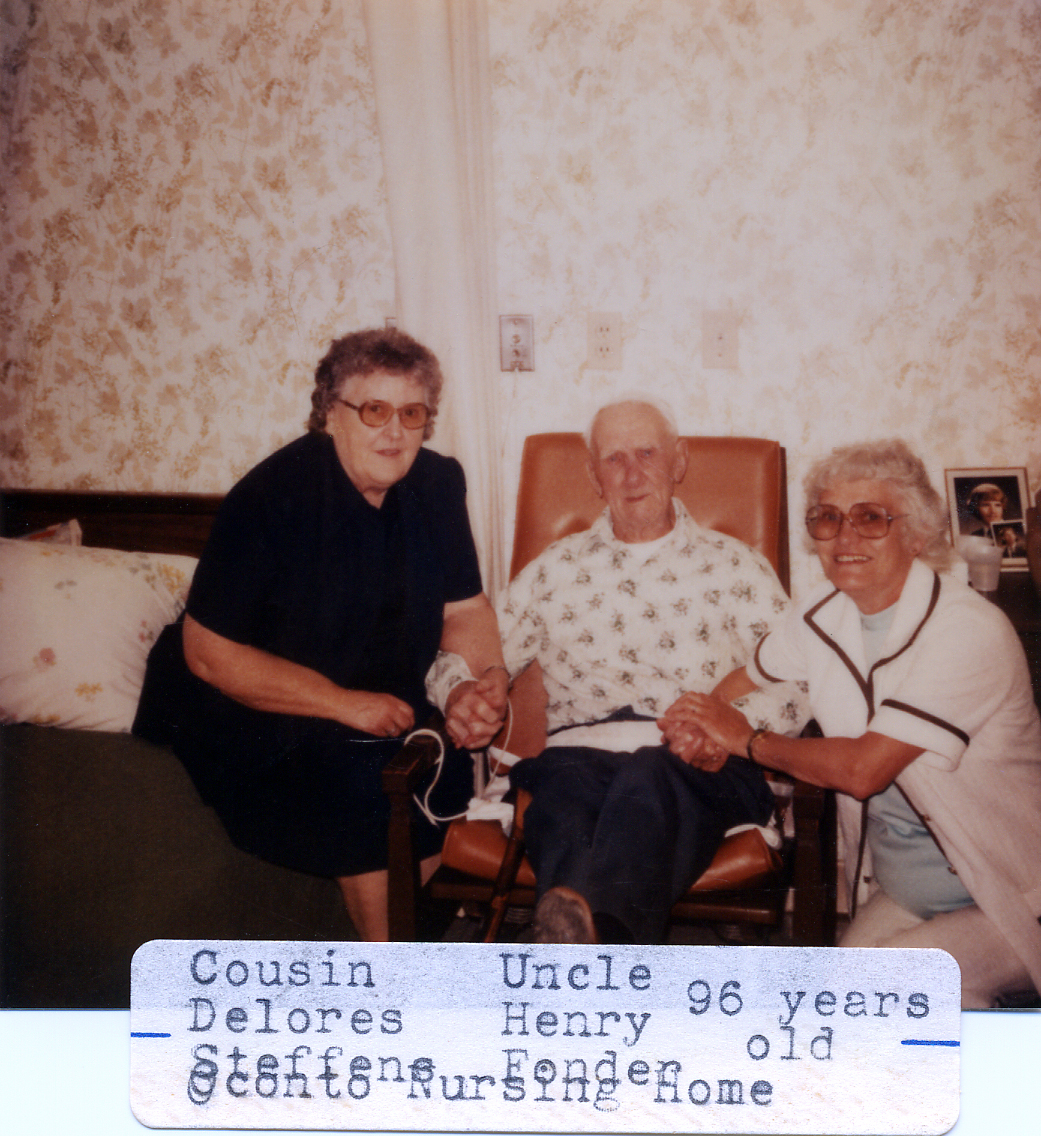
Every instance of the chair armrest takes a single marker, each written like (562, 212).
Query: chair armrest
(407, 768)
(815, 865)
(401, 775)
(815, 868)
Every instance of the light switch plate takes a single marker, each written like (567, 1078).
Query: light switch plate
(517, 343)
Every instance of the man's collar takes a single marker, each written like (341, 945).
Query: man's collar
(603, 528)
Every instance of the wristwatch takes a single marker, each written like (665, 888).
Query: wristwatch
(750, 747)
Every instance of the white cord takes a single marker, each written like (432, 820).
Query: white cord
(505, 747)
(424, 804)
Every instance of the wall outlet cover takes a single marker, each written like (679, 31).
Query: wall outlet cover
(719, 339)
(605, 341)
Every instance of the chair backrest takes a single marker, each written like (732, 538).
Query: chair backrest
(734, 485)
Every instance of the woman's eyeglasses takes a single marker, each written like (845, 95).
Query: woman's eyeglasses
(413, 415)
(870, 521)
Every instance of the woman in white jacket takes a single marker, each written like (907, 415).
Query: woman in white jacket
(922, 691)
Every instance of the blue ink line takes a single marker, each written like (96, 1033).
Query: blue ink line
(150, 1035)
(915, 1042)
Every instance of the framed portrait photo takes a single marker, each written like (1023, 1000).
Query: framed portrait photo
(991, 503)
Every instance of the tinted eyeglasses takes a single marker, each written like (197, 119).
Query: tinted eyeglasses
(413, 415)
(870, 521)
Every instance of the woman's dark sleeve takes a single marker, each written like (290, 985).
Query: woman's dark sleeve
(234, 582)
(462, 571)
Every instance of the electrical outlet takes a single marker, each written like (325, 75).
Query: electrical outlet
(719, 340)
(517, 343)
(605, 341)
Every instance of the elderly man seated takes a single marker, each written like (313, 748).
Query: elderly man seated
(624, 618)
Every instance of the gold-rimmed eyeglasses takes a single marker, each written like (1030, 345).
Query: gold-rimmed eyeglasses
(413, 415)
(824, 522)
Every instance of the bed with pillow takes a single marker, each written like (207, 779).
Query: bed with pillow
(104, 843)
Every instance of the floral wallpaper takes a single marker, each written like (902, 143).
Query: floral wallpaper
(192, 208)
(193, 205)
(857, 181)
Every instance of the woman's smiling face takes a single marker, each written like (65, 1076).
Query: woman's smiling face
(870, 572)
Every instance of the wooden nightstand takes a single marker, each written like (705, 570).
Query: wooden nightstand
(1018, 598)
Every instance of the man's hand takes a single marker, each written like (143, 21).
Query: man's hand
(723, 724)
(688, 741)
(380, 714)
(475, 710)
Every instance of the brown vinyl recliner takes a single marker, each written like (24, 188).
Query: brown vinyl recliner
(736, 486)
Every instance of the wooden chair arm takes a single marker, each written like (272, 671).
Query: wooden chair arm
(815, 868)
(401, 775)
(406, 769)
(507, 876)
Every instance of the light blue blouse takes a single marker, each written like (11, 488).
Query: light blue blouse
(908, 863)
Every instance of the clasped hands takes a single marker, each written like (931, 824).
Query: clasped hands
(704, 731)
(700, 729)
(476, 709)
(474, 712)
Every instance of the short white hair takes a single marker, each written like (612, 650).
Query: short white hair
(637, 398)
(890, 460)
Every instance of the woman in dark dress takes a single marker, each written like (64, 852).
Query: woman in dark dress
(336, 570)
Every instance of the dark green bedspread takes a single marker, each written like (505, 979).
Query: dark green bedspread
(104, 844)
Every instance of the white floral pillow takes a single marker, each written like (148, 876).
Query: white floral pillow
(76, 626)
(65, 532)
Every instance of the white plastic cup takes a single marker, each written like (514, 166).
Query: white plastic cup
(984, 561)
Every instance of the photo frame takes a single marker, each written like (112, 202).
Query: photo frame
(991, 503)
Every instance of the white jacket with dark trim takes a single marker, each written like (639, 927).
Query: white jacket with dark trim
(953, 680)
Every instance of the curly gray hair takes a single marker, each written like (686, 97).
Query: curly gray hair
(893, 461)
(361, 353)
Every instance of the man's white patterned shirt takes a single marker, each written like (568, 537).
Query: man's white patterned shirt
(615, 624)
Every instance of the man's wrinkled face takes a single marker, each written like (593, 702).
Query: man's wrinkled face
(635, 463)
